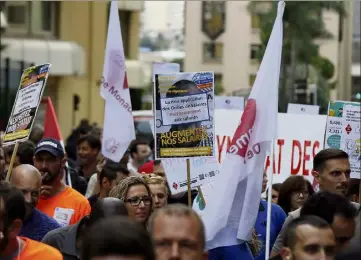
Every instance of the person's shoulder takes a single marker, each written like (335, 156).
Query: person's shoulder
(295, 214)
(356, 205)
(46, 220)
(55, 233)
(75, 195)
(41, 250)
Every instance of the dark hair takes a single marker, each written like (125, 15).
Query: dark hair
(117, 167)
(290, 185)
(104, 208)
(13, 201)
(117, 236)
(327, 205)
(157, 162)
(111, 172)
(92, 140)
(289, 239)
(276, 186)
(26, 152)
(353, 188)
(133, 147)
(325, 155)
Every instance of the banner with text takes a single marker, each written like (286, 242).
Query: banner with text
(343, 131)
(26, 104)
(300, 137)
(351, 137)
(183, 119)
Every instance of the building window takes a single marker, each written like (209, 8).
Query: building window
(43, 17)
(254, 51)
(17, 13)
(29, 18)
(212, 52)
(255, 21)
(356, 53)
(213, 18)
(252, 78)
(125, 21)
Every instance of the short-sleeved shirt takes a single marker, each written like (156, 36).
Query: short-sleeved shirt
(36, 250)
(278, 217)
(38, 225)
(67, 207)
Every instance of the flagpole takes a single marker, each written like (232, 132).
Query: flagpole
(269, 201)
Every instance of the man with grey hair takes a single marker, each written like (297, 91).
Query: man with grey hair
(37, 133)
(178, 233)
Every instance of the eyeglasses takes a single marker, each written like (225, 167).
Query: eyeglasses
(135, 201)
(299, 192)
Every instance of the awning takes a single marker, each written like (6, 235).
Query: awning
(355, 70)
(67, 58)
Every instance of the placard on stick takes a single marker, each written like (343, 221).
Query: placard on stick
(26, 104)
(183, 117)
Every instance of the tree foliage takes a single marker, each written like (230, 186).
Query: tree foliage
(303, 23)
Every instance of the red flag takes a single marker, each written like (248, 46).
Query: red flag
(51, 126)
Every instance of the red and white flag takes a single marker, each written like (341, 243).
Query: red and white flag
(51, 126)
(52, 129)
(232, 207)
(118, 128)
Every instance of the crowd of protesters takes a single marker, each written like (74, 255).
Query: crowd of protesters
(74, 204)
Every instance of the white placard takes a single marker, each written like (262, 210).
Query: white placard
(303, 109)
(224, 102)
(351, 137)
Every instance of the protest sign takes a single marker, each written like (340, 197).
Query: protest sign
(300, 138)
(26, 104)
(163, 67)
(351, 137)
(334, 128)
(302, 109)
(202, 170)
(184, 115)
(223, 102)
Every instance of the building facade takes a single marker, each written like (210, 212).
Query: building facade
(72, 37)
(224, 38)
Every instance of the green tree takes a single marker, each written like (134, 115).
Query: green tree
(303, 23)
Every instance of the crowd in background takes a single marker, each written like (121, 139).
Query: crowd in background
(84, 206)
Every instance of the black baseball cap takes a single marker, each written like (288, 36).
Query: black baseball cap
(50, 145)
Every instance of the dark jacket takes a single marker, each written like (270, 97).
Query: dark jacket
(77, 182)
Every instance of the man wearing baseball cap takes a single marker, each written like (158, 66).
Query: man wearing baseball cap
(57, 200)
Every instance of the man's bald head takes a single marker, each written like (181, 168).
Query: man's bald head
(107, 207)
(27, 179)
(26, 173)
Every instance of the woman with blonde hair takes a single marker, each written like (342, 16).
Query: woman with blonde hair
(136, 195)
(159, 189)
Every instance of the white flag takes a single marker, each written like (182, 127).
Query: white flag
(232, 207)
(118, 129)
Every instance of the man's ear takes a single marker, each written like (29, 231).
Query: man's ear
(316, 175)
(64, 160)
(286, 253)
